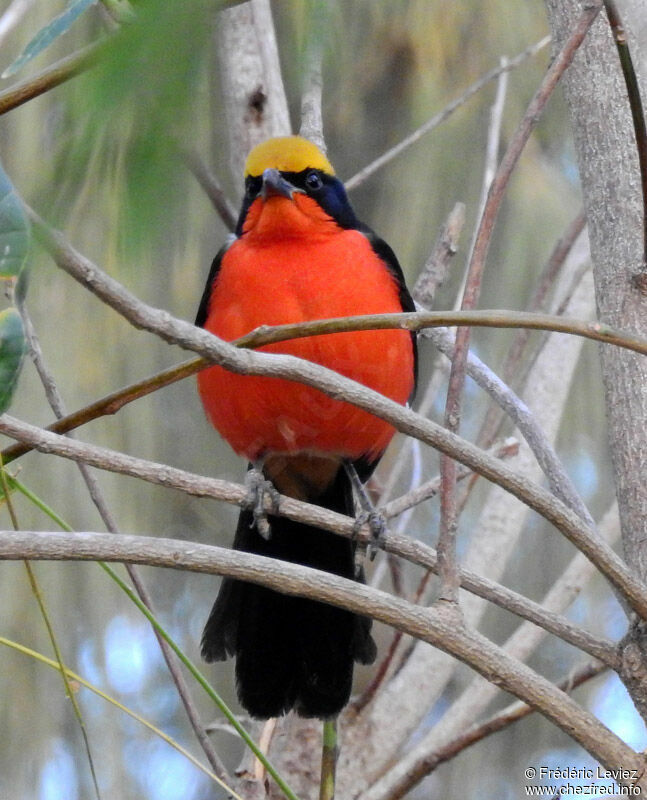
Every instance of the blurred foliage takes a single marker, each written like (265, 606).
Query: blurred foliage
(12, 351)
(14, 230)
(99, 157)
(45, 36)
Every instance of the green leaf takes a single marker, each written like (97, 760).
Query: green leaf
(12, 350)
(45, 36)
(14, 230)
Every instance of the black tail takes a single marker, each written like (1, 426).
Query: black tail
(291, 652)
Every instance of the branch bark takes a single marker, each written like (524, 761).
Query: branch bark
(439, 626)
(402, 546)
(255, 104)
(610, 176)
(609, 173)
(247, 362)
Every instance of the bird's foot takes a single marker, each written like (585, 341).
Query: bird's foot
(258, 487)
(369, 514)
(377, 526)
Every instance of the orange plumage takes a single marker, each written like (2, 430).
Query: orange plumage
(317, 271)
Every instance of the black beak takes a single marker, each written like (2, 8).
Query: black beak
(275, 184)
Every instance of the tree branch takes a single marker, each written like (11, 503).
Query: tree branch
(476, 697)
(445, 113)
(402, 546)
(272, 334)
(248, 362)
(440, 626)
(449, 520)
(53, 76)
(493, 724)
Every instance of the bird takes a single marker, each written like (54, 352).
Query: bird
(299, 253)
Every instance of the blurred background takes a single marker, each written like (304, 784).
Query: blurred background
(98, 157)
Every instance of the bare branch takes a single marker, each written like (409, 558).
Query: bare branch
(212, 188)
(545, 282)
(435, 270)
(270, 334)
(284, 366)
(497, 722)
(400, 707)
(439, 626)
(477, 695)
(402, 546)
(473, 280)
(437, 119)
(430, 488)
(449, 506)
(559, 480)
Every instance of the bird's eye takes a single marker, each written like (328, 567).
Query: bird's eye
(313, 181)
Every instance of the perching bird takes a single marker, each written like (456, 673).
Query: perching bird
(299, 253)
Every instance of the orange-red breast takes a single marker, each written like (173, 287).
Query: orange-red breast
(300, 254)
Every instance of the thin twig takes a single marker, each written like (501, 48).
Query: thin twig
(437, 119)
(635, 103)
(559, 480)
(433, 275)
(474, 279)
(212, 188)
(431, 487)
(490, 165)
(545, 283)
(449, 509)
(434, 272)
(488, 318)
(495, 196)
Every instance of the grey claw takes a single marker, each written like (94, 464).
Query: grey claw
(378, 528)
(257, 488)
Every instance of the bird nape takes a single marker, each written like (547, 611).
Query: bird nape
(300, 254)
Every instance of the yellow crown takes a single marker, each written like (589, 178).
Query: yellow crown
(287, 154)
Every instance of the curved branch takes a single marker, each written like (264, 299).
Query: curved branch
(415, 321)
(558, 479)
(418, 320)
(441, 626)
(248, 362)
(402, 546)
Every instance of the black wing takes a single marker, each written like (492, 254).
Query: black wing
(382, 249)
(203, 308)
